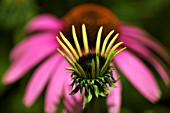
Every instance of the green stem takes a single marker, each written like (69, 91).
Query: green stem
(97, 105)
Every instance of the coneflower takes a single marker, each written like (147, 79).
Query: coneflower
(91, 71)
(87, 61)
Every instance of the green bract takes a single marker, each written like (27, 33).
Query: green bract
(91, 72)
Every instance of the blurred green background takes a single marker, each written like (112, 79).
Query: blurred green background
(151, 15)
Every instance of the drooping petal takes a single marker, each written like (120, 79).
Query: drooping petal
(149, 56)
(40, 78)
(45, 22)
(73, 103)
(114, 99)
(143, 37)
(56, 87)
(26, 61)
(32, 42)
(139, 75)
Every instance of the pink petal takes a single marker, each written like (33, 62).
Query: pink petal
(143, 37)
(73, 103)
(149, 56)
(55, 87)
(65, 111)
(114, 100)
(32, 42)
(25, 62)
(139, 75)
(39, 79)
(45, 22)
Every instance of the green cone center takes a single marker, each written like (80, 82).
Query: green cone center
(86, 63)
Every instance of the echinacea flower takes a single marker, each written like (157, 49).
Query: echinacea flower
(52, 72)
(91, 71)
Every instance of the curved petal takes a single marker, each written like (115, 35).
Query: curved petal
(55, 87)
(143, 37)
(149, 56)
(45, 22)
(39, 79)
(139, 75)
(25, 62)
(73, 103)
(32, 42)
(114, 100)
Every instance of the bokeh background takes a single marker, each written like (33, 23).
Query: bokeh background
(151, 15)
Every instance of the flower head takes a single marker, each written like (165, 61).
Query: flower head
(91, 70)
(51, 72)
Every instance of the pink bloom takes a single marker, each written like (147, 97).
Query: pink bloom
(42, 47)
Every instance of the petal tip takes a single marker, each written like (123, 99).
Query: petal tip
(167, 82)
(6, 80)
(27, 103)
(157, 97)
(9, 77)
(3, 81)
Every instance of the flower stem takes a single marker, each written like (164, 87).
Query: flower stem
(97, 105)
